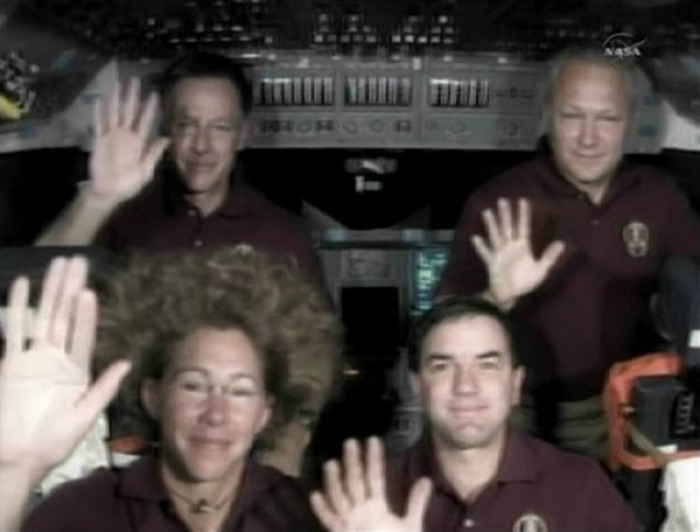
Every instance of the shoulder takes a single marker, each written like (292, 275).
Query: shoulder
(520, 180)
(652, 180)
(78, 503)
(556, 468)
(551, 459)
(270, 218)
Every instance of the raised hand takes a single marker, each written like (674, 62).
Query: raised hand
(354, 496)
(123, 157)
(513, 269)
(47, 403)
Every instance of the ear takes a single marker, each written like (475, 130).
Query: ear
(150, 397)
(517, 385)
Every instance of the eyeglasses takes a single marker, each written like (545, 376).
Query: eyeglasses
(196, 386)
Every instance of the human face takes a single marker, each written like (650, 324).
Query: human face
(467, 383)
(211, 404)
(589, 117)
(207, 130)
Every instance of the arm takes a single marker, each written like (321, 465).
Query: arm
(354, 498)
(47, 404)
(121, 164)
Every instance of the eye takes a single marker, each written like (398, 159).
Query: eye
(242, 391)
(438, 366)
(570, 116)
(193, 386)
(184, 126)
(489, 364)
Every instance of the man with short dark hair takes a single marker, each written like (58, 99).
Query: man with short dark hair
(572, 242)
(485, 475)
(198, 198)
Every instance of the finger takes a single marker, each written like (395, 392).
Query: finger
(376, 476)
(53, 279)
(113, 109)
(524, 219)
(324, 512)
(492, 229)
(102, 391)
(147, 118)
(98, 120)
(551, 255)
(334, 488)
(482, 249)
(82, 340)
(504, 212)
(133, 95)
(16, 324)
(74, 281)
(418, 503)
(354, 472)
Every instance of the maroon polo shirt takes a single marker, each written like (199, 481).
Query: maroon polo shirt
(134, 500)
(160, 219)
(585, 315)
(536, 484)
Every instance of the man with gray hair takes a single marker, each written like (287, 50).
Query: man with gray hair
(572, 243)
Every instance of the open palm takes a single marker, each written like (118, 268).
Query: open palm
(354, 498)
(124, 158)
(507, 252)
(47, 404)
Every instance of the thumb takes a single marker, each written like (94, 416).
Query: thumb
(417, 503)
(551, 254)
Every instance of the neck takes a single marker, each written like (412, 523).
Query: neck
(203, 506)
(594, 192)
(208, 201)
(469, 471)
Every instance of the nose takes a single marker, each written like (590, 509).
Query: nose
(465, 381)
(588, 132)
(201, 140)
(216, 408)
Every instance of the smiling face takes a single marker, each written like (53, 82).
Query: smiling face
(207, 128)
(211, 404)
(467, 382)
(589, 114)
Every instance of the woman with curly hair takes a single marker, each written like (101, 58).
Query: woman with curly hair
(210, 338)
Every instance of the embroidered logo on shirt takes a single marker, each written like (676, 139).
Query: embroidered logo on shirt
(243, 249)
(636, 238)
(530, 522)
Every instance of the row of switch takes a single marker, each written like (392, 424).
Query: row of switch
(459, 93)
(308, 90)
(377, 90)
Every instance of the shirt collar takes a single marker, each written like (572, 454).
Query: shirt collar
(142, 481)
(235, 204)
(548, 174)
(518, 463)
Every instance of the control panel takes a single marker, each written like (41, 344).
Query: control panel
(446, 103)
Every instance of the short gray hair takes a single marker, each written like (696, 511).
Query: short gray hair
(591, 56)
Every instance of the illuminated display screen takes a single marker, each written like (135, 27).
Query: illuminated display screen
(429, 265)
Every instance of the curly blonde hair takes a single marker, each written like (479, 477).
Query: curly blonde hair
(158, 301)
